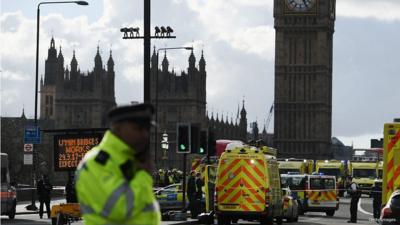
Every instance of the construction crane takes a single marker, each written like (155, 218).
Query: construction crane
(271, 110)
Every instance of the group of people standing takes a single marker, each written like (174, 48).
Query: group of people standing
(164, 178)
(195, 193)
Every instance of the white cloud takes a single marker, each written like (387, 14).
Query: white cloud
(227, 23)
(385, 10)
(15, 76)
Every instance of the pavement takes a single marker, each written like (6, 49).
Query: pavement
(340, 218)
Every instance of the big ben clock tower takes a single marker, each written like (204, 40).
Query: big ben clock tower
(303, 77)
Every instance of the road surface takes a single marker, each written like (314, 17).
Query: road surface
(340, 218)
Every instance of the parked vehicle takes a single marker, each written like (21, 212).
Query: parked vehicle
(248, 186)
(390, 214)
(314, 193)
(8, 191)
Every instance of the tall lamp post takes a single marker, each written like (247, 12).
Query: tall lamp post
(156, 100)
(32, 206)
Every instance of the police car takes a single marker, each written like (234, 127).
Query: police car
(170, 197)
(314, 193)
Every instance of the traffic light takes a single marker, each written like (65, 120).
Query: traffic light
(211, 143)
(195, 137)
(203, 143)
(183, 138)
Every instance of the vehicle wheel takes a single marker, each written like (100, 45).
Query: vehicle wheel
(267, 220)
(11, 214)
(330, 213)
(296, 218)
(223, 220)
(279, 220)
(61, 219)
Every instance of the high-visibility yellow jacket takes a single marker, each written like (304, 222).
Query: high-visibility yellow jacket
(112, 189)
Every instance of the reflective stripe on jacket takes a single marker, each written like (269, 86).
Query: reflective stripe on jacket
(106, 194)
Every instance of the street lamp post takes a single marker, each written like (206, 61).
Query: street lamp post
(156, 92)
(32, 206)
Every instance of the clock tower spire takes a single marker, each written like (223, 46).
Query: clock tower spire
(303, 77)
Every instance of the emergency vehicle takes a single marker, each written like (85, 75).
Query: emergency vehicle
(334, 168)
(314, 193)
(248, 186)
(379, 170)
(8, 192)
(364, 174)
(299, 166)
(391, 160)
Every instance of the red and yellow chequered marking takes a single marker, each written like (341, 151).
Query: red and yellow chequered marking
(195, 165)
(242, 181)
(318, 196)
(393, 172)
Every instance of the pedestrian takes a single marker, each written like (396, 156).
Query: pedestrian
(377, 199)
(166, 178)
(355, 195)
(44, 189)
(199, 192)
(191, 193)
(114, 182)
(70, 191)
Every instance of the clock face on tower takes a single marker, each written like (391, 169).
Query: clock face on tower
(300, 5)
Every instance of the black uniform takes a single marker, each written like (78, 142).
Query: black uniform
(355, 197)
(43, 189)
(70, 191)
(199, 193)
(377, 200)
(191, 193)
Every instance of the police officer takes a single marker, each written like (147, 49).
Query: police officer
(113, 181)
(199, 192)
(191, 193)
(377, 198)
(70, 190)
(355, 195)
(43, 189)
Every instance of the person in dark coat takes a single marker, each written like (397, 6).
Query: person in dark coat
(44, 189)
(70, 190)
(191, 193)
(355, 195)
(199, 191)
(377, 198)
(166, 178)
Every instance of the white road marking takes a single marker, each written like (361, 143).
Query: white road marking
(362, 210)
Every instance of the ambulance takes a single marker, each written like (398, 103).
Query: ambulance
(248, 186)
(364, 174)
(314, 193)
(334, 168)
(391, 160)
(379, 170)
(299, 166)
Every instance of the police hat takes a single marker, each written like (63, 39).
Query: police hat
(141, 114)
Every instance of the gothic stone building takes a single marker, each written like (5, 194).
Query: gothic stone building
(303, 77)
(68, 99)
(182, 99)
(74, 99)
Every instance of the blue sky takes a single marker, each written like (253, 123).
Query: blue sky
(238, 44)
